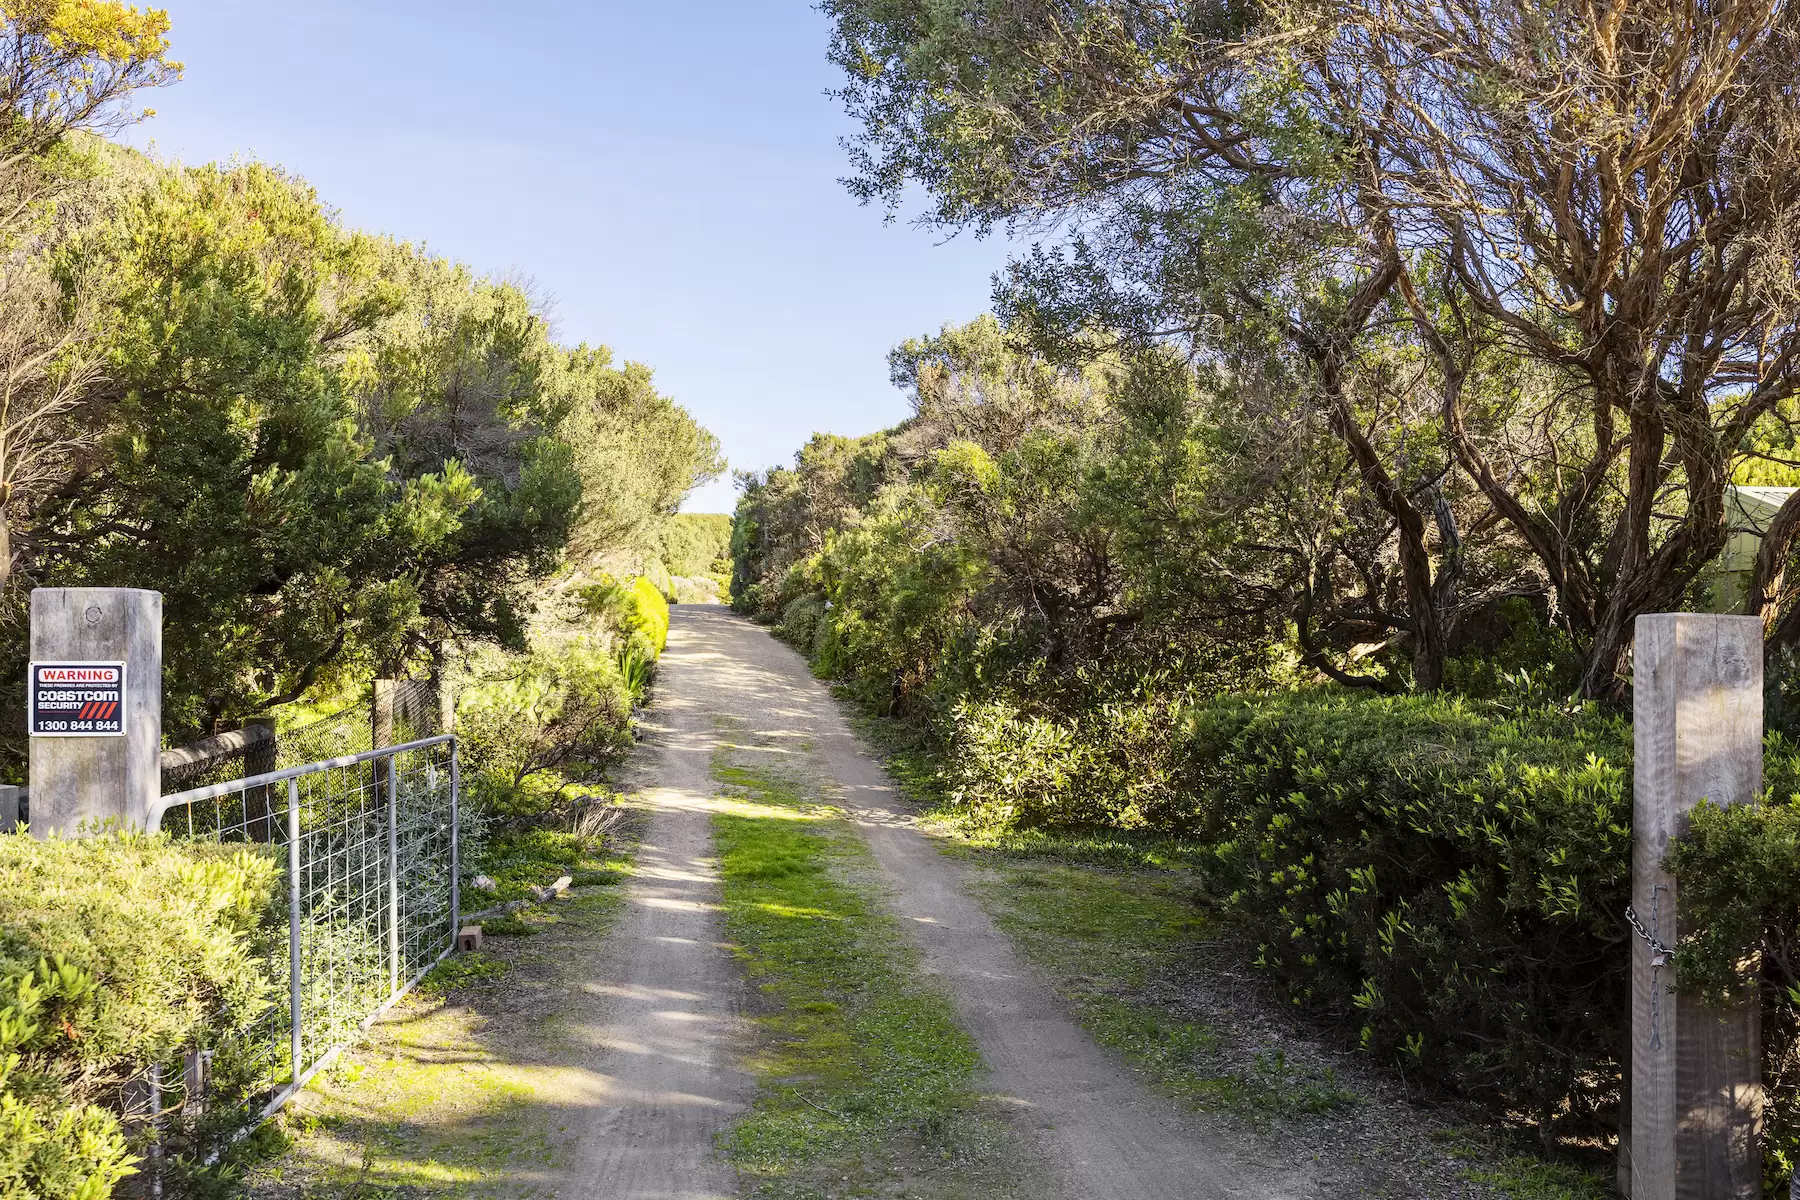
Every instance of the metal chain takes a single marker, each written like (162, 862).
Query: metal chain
(1659, 958)
(1659, 953)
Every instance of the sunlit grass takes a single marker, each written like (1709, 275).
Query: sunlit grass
(866, 1078)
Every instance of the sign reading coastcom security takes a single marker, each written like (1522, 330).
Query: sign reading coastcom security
(77, 699)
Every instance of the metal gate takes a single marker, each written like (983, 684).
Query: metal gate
(370, 844)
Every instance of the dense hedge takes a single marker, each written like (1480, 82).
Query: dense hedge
(1450, 874)
(115, 953)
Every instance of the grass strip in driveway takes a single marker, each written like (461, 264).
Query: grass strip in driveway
(866, 1081)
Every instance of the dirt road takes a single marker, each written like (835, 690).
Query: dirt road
(606, 1057)
(1106, 1135)
(672, 1036)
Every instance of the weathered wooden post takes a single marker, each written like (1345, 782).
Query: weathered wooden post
(381, 714)
(1696, 1072)
(95, 700)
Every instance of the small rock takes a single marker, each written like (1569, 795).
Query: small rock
(483, 883)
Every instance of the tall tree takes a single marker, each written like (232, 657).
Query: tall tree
(1604, 190)
(1211, 203)
(64, 67)
(1614, 189)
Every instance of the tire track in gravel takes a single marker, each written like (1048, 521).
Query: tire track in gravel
(1107, 1135)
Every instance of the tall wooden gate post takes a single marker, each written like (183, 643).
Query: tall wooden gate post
(95, 699)
(1696, 1072)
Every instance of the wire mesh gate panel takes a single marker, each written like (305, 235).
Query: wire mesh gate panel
(369, 846)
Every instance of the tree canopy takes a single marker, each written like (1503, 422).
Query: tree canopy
(330, 451)
(1541, 254)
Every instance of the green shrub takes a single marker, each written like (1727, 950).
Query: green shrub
(1447, 874)
(533, 724)
(1106, 765)
(697, 544)
(1738, 877)
(801, 623)
(637, 613)
(116, 952)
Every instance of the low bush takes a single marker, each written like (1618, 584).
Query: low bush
(1449, 874)
(116, 953)
(637, 615)
(534, 725)
(1738, 877)
(1109, 765)
(802, 622)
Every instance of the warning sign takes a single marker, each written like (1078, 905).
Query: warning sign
(77, 699)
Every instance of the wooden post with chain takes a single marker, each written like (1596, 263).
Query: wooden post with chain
(1696, 1072)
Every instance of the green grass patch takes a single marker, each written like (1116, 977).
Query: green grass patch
(604, 877)
(1105, 936)
(1534, 1179)
(509, 926)
(463, 971)
(866, 1078)
(521, 860)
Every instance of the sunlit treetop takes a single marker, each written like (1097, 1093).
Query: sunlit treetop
(70, 64)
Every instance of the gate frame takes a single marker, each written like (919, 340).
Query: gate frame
(291, 776)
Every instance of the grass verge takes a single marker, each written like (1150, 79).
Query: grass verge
(1108, 938)
(1116, 921)
(866, 1080)
(464, 1090)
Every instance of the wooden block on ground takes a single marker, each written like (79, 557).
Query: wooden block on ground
(469, 938)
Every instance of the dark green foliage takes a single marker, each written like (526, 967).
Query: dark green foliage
(463, 971)
(1738, 871)
(1449, 876)
(605, 877)
(520, 860)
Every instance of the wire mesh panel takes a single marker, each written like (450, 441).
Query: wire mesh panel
(368, 847)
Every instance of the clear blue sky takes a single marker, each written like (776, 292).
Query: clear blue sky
(665, 172)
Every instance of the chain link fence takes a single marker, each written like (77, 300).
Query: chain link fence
(403, 710)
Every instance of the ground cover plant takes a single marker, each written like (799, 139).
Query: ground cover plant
(866, 1079)
(117, 952)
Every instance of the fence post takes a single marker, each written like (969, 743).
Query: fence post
(1696, 1072)
(393, 824)
(96, 744)
(9, 807)
(381, 714)
(260, 754)
(455, 841)
(295, 1046)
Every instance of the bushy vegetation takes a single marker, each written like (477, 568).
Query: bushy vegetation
(338, 457)
(1447, 876)
(116, 953)
(332, 452)
(1440, 873)
(696, 547)
(1326, 388)
(540, 728)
